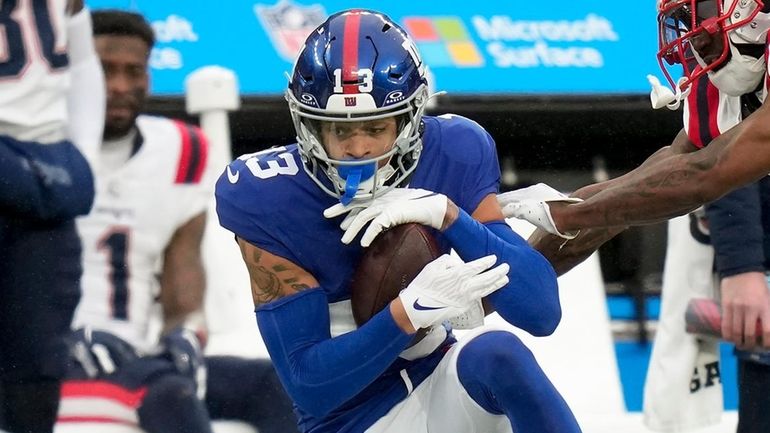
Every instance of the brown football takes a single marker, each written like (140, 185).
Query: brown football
(389, 264)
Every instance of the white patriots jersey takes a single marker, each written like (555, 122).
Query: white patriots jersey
(34, 68)
(137, 210)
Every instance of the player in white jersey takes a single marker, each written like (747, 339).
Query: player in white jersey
(142, 249)
(149, 211)
(46, 60)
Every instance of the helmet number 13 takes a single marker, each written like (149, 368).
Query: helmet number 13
(366, 80)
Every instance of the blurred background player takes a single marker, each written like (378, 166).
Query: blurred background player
(48, 61)
(360, 128)
(142, 247)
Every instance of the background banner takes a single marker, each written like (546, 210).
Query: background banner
(509, 47)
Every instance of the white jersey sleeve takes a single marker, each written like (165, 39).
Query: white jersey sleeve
(34, 69)
(86, 99)
(137, 210)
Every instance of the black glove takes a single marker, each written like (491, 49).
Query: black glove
(182, 347)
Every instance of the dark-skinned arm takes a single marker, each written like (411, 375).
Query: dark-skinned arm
(680, 183)
(183, 278)
(566, 255)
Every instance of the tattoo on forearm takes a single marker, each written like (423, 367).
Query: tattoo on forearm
(266, 287)
(294, 284)
(662, 194)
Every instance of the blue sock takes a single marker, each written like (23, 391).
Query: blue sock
(503, 377)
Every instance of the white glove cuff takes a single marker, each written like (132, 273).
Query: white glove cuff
(547, 209)
(437, 208)
(407, 299)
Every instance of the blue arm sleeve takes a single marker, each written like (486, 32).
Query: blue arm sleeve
(44, 182)
(735, 223)
(530, 300)
(319, 372)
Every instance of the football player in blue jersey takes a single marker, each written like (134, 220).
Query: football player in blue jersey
(366, 154)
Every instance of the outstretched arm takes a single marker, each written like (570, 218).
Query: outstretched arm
(680, 145)
(566, 255)
(680, 183)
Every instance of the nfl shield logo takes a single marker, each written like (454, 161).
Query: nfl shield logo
(289, 24)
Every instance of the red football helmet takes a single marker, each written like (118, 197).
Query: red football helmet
(679, 20)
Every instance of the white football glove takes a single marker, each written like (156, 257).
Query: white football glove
(472, 318)
(448, 287)
(397, 206)
(531, 204)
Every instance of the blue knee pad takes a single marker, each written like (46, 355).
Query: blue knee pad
(502, 376)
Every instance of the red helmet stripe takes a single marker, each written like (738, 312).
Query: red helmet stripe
(350, 52)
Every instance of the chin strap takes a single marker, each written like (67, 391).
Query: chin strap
(662, 96)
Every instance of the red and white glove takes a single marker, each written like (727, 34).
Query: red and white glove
(397, 206)
(448, 287)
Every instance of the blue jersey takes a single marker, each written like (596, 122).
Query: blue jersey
(268, 199)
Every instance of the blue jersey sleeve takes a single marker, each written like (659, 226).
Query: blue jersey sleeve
(735, 222)
(467, 151)
(38, 182)
(239, 208)
(478, 149)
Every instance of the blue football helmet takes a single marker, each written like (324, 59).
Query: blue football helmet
(357, 66)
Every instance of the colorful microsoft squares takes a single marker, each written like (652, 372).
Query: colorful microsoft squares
(451, 29)
(443, 42)
(465, 54)
(421, 29)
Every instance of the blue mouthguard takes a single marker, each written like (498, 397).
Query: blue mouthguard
(353, 175)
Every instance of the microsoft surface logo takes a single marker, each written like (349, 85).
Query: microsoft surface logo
(443, 41)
